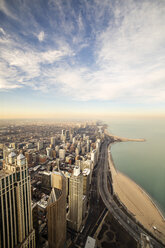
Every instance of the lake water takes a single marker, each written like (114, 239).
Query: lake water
(144, 162)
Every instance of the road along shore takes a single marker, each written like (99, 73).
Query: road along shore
(136, 200)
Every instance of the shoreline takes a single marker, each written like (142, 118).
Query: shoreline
(140, 188)
(135, 198)
(122, 139)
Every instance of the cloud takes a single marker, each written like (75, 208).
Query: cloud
(108, 50)
(5, 9)
(8, 78)
(41, 36)
(27, 66)
(2, 31)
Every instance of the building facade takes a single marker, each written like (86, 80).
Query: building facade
(53, 141)
(62, 154)
(16, 227)
(56, 212)
(75, 200)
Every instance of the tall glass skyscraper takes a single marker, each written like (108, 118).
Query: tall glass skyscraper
(16, 227)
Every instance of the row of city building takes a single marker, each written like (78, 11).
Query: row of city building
(45, 188)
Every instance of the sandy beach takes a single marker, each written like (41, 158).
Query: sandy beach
(138, 202)
(122, 139)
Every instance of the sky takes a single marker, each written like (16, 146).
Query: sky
(89, 58)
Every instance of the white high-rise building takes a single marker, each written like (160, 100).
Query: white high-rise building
(77, 151)
(40, 145)
(88, 164)
(86, 181)
(94, 157)
(62, 154)
(88, 145)
(74, 140)
(57, 148)
(98, 144)
(53, 141)
(63, 135)
(49, 151)
(75, 199)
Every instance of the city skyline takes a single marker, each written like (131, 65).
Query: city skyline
(72, 59)
(60, 185)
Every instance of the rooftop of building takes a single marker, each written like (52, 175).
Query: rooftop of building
(86, 172)
(42, 204)
(12, 154)
(20, 156)
(4, 173)
(57, 173)
(48, 173)
(90, 243)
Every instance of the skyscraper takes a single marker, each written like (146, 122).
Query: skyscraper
(16, 227)
(75, 199)
(53, 141)
(63, 135)
(62, 154)
(56, 212)
(40, 145)
(94, 157)
(86, 181)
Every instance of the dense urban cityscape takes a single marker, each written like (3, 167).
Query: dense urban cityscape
(56, 189)
(82, 124)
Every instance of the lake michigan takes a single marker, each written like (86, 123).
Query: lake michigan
(143, 162)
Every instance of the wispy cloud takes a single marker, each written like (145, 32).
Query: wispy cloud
(111, 51)
(7, 10)
(41, 36)
(2, 31)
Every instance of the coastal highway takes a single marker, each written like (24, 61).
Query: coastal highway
(128, 223)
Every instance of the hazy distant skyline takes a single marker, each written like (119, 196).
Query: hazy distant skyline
(72, 58)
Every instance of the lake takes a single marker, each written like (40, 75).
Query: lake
(143, 162)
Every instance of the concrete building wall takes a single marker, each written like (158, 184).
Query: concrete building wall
(16, 227)
(56, 180)
(62, 154)
(94, 157)
(86, 182)
(56, 215)
(75, 202)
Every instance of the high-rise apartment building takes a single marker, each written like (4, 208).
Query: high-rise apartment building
(40, 145)
(56, 212)
(94, 157)
(86, 181)
(63, 135)
(88, 164)
(49, 152)
(6, 152)
(62, 154)
(98, 145)
(53, 141)
(88, 145)
(75, 199)
(16, 227)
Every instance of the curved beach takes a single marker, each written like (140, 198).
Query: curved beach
(122, 139)
(137, 201)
